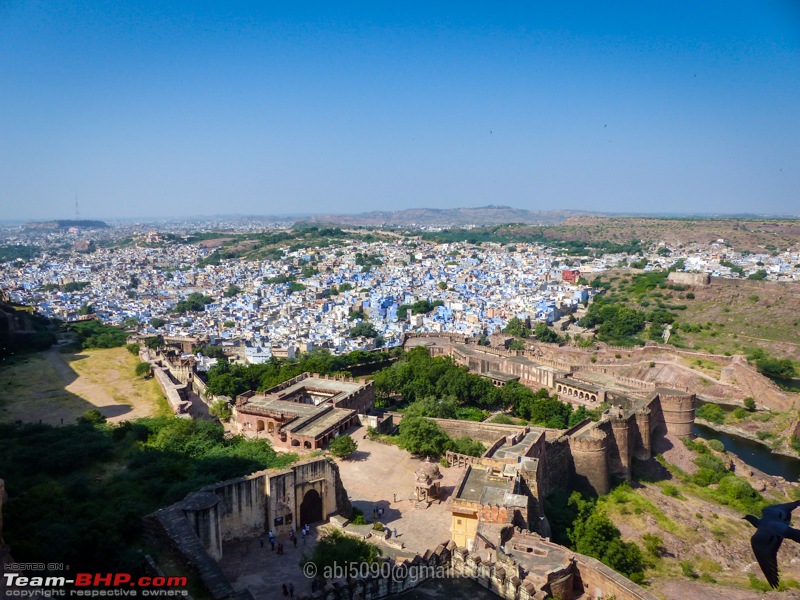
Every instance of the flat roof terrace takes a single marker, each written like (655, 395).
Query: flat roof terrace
(330, 419)
(518, 449)
(312, 384)
(264, 405)
(477, 481)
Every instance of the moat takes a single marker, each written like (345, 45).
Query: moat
(754, 454)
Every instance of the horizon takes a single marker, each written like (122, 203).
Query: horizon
(299, 216)
(159, 110)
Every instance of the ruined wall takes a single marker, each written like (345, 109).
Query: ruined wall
(689, 278)
(600, 581)
(242, 505)
(487, 433)
(590, 460)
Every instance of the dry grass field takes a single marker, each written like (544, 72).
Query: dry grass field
(51, 387)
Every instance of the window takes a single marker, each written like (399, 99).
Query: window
(458, 521)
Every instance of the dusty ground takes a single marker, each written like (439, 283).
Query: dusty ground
(376, 475)
(56, 388)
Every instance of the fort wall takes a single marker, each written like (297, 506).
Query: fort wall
(678, 412)
(590, 460)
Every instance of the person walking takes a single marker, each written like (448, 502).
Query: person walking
(261, 540)
(291, 590)
(285, 590)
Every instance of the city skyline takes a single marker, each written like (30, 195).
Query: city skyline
(169, 111)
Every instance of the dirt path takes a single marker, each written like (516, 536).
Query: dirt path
(55, 388)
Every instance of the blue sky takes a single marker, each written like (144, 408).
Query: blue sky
(161, 109)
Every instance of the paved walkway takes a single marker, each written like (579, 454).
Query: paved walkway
(382, 475)
(264, 571)
(377, 475)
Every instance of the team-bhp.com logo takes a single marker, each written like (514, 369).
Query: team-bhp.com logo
(93, 585)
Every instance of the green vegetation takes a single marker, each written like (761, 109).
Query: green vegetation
(418, 376)
(194, 303)
(420, 435)
(343, 446)
(419, 307)
(9, 253)
(75, 286)
(221, 409)
(577, 523)
(364, 329)
(142, 369)
(518, 327)
(711, 412)
(80, 491)
(341, 550)
(94, 334)
(157, 322)
(233, 290)
(730, 490)
(225, 379)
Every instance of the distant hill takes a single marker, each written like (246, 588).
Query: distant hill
(66, 224)
(452, 217)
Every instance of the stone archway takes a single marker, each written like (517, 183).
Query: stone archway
(311, 508)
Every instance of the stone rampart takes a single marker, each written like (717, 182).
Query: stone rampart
(590, 461)
(678, 412)
(487, 433)
(600, 581)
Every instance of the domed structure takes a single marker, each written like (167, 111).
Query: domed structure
(426, 486)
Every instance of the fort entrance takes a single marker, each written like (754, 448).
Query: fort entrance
(310, 508)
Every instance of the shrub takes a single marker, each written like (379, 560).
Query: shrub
(92, 417)
(688, 569)
(221, 409)
(750, 403)
(343, 446)
(653, 544)
(133, 349)
(712, 413)
(740, 413)
(716, 445)
(142, 369)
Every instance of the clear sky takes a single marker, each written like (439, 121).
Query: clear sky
(167, 108)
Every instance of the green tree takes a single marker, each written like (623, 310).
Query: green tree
(221, 409)
(364, 329)
(341, 550)
(343, 446)
(86, 309)
(422, 436)
(517, 327)
(157, 322)
(133, 349)
(233, 290)
(544, 334)
(142, 369)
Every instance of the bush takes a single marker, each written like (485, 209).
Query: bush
(716, 445)
(133, 349)
(92, 417)
(142, 369)
(221, 409)
(343, 446)
(377, 526)
(740, 413)
(711, 412)
(750, 403)
(687, 568)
